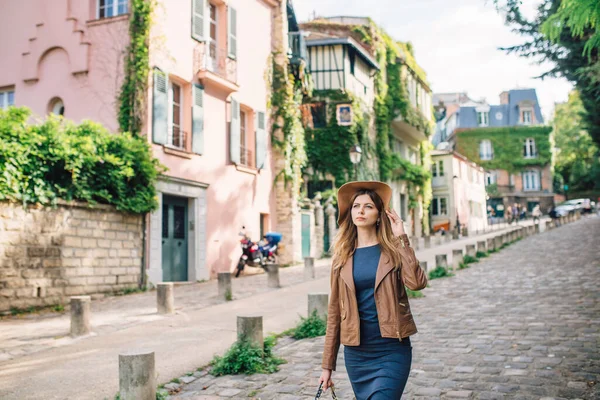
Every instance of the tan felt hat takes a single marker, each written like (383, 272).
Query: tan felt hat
(347, 190)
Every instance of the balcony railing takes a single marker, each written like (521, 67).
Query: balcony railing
(177, 138)
(246, 157)
(208, 57)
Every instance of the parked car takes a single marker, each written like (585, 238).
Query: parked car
(569, 206)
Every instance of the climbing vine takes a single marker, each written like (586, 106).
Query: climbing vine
(507, 146)
(135, 84)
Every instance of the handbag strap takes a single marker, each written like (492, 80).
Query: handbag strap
(320, 391)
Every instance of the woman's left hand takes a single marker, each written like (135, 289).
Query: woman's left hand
(396, 222)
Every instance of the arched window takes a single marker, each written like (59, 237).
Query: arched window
(56, 106)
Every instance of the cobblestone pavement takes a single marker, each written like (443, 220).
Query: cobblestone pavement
(33, 333)
(521, 324)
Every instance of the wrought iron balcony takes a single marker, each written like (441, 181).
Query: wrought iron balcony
(177, 138)
(213, 63)
(247, 157)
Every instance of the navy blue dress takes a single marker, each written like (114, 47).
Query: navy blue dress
(378, 368)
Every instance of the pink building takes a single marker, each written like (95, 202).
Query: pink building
(207, 114)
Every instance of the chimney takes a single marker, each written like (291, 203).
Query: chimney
(504, 98)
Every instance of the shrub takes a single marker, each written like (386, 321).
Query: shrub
(481, 254)
(57, 159)
(309, 327)
(246, 358)
(439, 272)
(469, 259)
(413, 294)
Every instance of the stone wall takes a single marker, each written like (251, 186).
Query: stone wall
(49, 254)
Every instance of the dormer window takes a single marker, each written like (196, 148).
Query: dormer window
(483, 118)
(526, 117)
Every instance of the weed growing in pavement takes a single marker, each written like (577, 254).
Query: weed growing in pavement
(310, 327)
(246, 358)
(439, 272)
(252, 393)
(228, 296)
(413, 294)
(481, 254)
(470, 259)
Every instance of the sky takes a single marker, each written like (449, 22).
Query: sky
(456, 43)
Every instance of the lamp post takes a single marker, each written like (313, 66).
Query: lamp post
(355, 154)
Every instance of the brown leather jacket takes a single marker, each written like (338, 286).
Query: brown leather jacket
(393, 311)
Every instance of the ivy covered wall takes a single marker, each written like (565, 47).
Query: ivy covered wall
(507, 146)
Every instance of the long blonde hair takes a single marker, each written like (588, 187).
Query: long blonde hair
(346, 240)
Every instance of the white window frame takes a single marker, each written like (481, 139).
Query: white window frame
(491, 177)
(212, 61)
(486, 152)
(170, 118)
(436, 207)
(434, 170)
(531, 180)
(440, 168)
(4, 96)
(530, 149)
(483, 118)
(528, 121)
(114, 8)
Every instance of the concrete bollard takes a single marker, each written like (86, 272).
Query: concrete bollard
(471, 250)
(273, 276)
(491, 244)
(549, 225)
(481, 246)
(80, 315)
(441, 260)
(309, 268)
(250, 328)
(164, 298)
(455, 234)
(318, 302)
(533, 229)
(437, 240)
(465, 232)
(427, 242)
(447, 237)
(414, 242)
(137, 376)
(423, 265)
(457, 258)
(498, 241)
(224, 279)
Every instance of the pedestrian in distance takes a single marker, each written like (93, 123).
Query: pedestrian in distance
(368, 308)
(536, 213)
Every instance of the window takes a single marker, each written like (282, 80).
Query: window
(531, 180)
(529, 150)
(56, 106)
(112, 8)
(243, 137)
(441, 168)
(439, 206)
(526, 117)
(434, 170)
(412, 156)
(483, 118)
(319, 115)
(212, 39)
(491, 177)
(485, 150)
(7, 98)
(177, 138)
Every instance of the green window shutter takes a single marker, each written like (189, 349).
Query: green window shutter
(160, 106)
(261, 140)
(198, 19)
(198, 119)
(234, 132)
(232, 33)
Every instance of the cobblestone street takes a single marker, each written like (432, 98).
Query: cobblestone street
(521, 324)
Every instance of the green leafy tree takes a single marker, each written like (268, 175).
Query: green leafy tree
(577, 155)
(564, 33)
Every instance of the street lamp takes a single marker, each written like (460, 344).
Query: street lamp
(355, 154)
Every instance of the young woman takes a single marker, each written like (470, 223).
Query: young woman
(368, 306)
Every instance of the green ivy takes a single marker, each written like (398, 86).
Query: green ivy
(58, 159)
(135, 84)
(507, 145)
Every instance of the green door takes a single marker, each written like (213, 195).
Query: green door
(174, 239)
(305, 235)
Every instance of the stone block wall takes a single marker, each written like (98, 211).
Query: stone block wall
(49, 254)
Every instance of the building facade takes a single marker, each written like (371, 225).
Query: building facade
(206, 119)
(459, 196)
(510, 141)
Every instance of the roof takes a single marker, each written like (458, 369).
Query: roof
(456, 154)
(345, 41)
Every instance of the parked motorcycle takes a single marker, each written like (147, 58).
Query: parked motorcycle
(251, 255)
(269, 246)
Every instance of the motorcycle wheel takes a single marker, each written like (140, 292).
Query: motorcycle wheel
(239, 268)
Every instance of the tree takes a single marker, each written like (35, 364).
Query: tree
(577, 156)
(565, 34)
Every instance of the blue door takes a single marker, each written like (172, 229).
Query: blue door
(174, 239)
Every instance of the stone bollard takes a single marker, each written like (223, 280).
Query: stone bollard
(441, 260)
(318, 302)
(309, 268)
(498, 241)
(455, 234)
(533, 229)
(549, 225)
(423, 265)
(414, 242)
(164, 298)
(80, 315)
(273, 276)
(457, 258)
(224, 279)
(471, 250)
(251, 328)
(427, 242)
(437, 240)
(448, 237)
(465, 232)
(491, 244)
(481, 246)
(137, 376)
